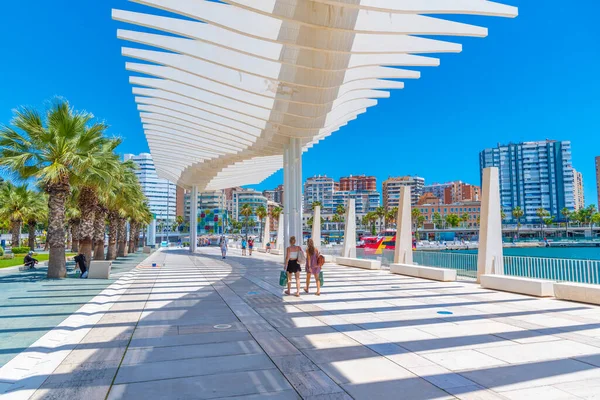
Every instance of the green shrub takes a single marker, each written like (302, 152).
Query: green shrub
(20, 250)
(7, 257)
(1, 251)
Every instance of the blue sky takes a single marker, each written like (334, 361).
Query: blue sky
(532, 78)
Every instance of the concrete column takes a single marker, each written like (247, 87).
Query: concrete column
(316, 228)
(286, 198)
(403, 252)
(151, 236)
(194, 219)
(349, 250)
(297, 160)
(490, 258)
(280, 236)
(266, 232)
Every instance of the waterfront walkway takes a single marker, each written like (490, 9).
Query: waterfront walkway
(199, 327)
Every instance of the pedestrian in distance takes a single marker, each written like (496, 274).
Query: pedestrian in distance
(268, 250)
(314, 262)
(29, 261)
(250, 245)
(294, 256)
(80, 261)
(244, 244)
(223, 246)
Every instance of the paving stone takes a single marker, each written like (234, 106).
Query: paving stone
(198, 338)
(294, 363)
(204, 387)
(192, 367)
(312, 383)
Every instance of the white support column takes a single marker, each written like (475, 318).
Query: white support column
(316, 227)
(266, 232)
(490, 258)
(151, 237)
(194, 219)
(349, 250)
(286, 197)
(298, 231)
(280, 236)
(403, 252)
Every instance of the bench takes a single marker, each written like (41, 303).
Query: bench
(581, 292)
(514, 284)
(358, 263)
(418, 271)
(277, 252)
(99, 269)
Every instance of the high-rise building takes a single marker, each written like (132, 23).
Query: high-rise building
(251, 197)
(533, 175)
(364, 201)
(437, 189)
(391, 190)
(275, 195)
(358, 183)
(598, 178)
(319, 188)
(161, 194)
(180, 208)
(578, 193)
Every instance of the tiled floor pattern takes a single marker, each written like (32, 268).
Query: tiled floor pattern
(31, 305)
(205, 328)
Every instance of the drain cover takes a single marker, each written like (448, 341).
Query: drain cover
(222, 326)
(445, 312)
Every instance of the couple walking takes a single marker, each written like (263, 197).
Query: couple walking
(294, 256)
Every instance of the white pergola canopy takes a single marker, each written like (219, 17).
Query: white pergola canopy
(226, 87)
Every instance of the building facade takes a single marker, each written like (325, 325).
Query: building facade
(250, 197)
(533, 175)
(358, 183)
(437, 189)
(161, 194)
(365, 201)
(471, 209)
(319, 188)
(391, 190)
(578, 190)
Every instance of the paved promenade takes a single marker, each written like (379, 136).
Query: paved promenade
(199, 327)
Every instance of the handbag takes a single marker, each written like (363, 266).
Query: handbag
(301, 258)
(321, 278)
(283, 278)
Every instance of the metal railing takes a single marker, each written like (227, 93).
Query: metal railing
(557, 269)
(464, 264)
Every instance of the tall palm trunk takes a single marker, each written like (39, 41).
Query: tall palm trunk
(132, 234)
(15, 230)
(69, 237)
(99, 226)
(57, 199)
(88, 201)
(122, 238)
(113, 222)
(75, 234)
(31, 227)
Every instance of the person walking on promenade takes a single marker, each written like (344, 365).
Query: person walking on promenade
(312, 266)
(250, 245)
(223, 245)
(244, 244)
(293, 256)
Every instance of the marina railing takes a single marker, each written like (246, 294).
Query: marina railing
(557, 269)
(464, 264)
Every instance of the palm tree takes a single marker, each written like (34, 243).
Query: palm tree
(340, 211)
(566, 213)
(453, 220)
(420, 222)
(465, 218)
(391, 215)
(14, 201)
(437, 220)
(102, 168)
(55, 149)
(261, 213)
(246, 212)
(316, 204)
(541, 213)
(37, 211)
(518, 213)
(415, 213)
(380, 212)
